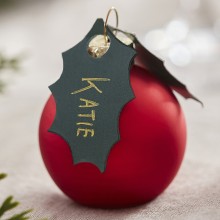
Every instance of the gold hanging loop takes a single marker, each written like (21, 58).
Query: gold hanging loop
(106, 21)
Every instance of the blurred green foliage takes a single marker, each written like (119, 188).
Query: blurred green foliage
(7, 63)
(6, 3)
(9, 204)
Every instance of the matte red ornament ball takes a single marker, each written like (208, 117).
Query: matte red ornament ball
(140, 165)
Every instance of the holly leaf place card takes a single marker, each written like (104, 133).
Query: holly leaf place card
(90, 94)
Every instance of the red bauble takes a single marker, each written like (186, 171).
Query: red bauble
(140, 166)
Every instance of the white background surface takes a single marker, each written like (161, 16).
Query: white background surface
(44, 29)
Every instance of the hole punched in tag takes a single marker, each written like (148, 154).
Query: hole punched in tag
(100, 44)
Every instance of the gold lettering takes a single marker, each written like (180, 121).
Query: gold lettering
(88, 103)
(86, 132)
(84, 123)
(92, 115)
(91, 85)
